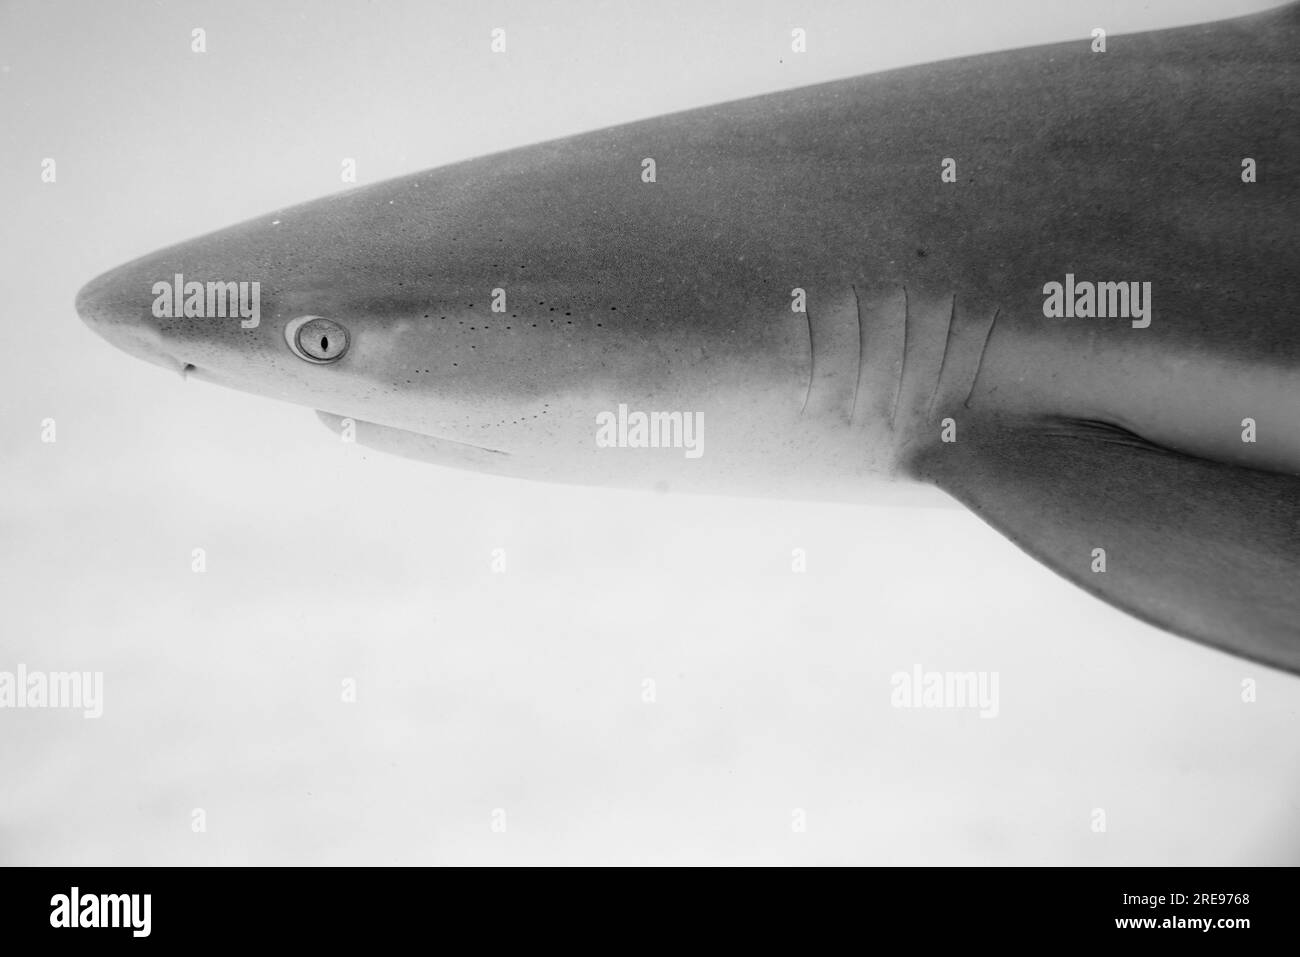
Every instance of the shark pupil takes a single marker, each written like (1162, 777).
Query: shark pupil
(317, 339)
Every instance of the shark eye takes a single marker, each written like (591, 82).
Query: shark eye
(316, 339)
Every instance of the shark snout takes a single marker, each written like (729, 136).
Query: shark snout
(116, 305)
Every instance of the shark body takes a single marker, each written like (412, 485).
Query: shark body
(1056, 284)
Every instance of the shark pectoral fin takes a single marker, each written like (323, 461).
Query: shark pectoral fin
(1206, 550)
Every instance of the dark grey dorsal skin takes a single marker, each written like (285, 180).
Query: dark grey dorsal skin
(923, 355)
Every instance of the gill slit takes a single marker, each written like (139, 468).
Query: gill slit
(943, 361)
(857, 382)
(979, 366)
(812, 360)
(902, 366)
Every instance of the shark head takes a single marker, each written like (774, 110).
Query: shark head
(532, 303)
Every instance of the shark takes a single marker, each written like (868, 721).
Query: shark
(1058, 285)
